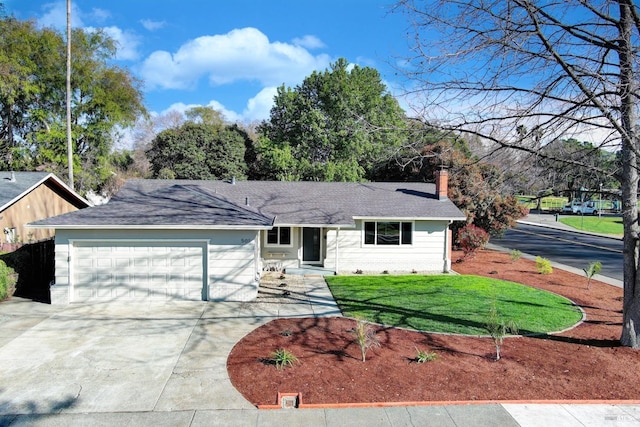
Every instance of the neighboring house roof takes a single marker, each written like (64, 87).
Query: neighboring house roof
(181, 203)
(16, 185)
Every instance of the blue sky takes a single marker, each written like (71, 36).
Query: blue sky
(232, 55)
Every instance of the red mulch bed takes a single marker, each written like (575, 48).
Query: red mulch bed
(584, 363)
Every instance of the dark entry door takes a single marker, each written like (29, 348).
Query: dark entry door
(310, 245)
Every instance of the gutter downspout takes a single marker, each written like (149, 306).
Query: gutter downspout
(337, 248)
(447, 248)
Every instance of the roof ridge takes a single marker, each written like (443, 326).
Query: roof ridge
(198, 190)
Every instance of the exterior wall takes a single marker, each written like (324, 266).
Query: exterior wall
(43, 202)
(231, 267)
(278, 257)
(428, 253)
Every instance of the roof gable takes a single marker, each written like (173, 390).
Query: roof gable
(179, 206)
(16, 185)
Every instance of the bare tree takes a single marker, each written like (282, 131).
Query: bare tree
(560, 68)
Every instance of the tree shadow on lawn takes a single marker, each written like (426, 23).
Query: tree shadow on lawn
(405, 316)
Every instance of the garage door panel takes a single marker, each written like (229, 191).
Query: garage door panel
(138, 271)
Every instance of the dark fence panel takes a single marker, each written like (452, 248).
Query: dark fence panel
(34, 264)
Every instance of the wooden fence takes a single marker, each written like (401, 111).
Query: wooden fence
(34, 264)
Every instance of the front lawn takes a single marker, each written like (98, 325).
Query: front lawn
(450, 303)
(595, 224)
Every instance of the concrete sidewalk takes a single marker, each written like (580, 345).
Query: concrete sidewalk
(162, 364)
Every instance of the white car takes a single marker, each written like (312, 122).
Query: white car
(583, 208)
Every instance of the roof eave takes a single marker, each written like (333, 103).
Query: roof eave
(150, 227)
(54, 178)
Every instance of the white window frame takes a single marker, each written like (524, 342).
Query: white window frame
(375, 236)
(280, 245)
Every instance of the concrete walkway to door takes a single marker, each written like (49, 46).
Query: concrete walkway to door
(164, 364)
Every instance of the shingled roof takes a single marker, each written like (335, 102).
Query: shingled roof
(212, 204)
(15, 185)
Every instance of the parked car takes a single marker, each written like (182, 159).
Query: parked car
(590, 207)
(570, 208)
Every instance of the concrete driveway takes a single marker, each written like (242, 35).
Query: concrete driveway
(119, 357)
(132, 357)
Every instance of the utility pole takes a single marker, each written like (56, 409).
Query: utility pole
(69, 141)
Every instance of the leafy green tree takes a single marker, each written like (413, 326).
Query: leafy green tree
(199, 151)
(333, 127)
(105, 98)
(590, 168)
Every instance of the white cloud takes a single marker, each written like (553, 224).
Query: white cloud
(259, 107)
(151, 25)
(55, 16)
(241, 54)
(180, 107)
(99, 15)
(309, 42)
(127, 42)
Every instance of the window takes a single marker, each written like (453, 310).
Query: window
(279, 236)
(388, 233)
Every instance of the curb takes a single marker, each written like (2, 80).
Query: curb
(287, 402)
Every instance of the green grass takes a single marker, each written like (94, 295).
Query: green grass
(594, 224)
(452, 304)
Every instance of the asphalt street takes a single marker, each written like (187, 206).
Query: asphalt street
(566, 247)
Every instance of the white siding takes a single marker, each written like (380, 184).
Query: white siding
(229, 271)
(282, 256)
(427, 253)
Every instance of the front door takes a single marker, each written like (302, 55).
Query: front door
(310, 245)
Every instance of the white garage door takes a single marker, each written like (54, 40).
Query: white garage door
(138, 271)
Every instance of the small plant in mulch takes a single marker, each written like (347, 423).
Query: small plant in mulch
(515, 255)
(365, 337)
(286, 333)
(283, 358)
(593, 269)
(543, 265)
(498, 328)
(423, 356)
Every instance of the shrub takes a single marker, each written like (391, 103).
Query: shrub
(515, 255)
(7, 281)
(543, 265)
(283, 358)
(593, 269)
(424, 356)
(472, 238)
(365, 337)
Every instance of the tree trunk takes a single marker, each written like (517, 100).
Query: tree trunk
(631, 302)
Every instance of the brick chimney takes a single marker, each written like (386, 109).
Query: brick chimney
(442, 181)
